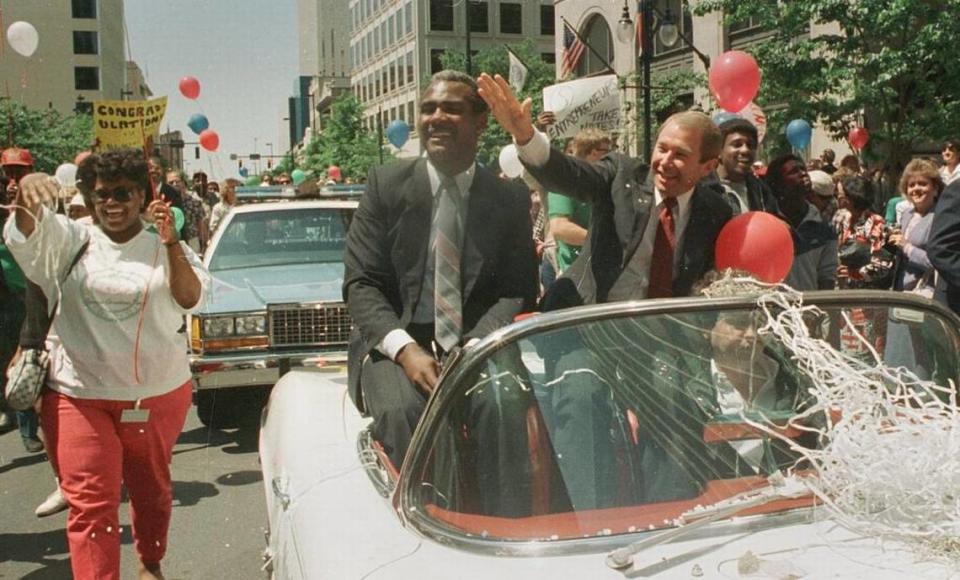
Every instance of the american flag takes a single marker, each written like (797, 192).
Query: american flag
(573, 49)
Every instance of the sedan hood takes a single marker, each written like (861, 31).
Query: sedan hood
(249, 289)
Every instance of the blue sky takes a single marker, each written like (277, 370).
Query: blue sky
(243, 52)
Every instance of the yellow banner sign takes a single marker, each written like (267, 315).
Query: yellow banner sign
(127, 123)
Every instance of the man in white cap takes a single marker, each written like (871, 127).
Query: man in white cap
(823, 194)
(77, 210)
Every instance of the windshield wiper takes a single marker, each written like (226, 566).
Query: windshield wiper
(779, 487)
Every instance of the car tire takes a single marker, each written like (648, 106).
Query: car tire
(216, 408)
(231, 408)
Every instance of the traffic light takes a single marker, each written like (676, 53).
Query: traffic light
(196, 153)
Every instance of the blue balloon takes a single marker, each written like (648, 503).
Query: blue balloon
(397, 133)
(722, 117)
(798, 133)
(198, 123)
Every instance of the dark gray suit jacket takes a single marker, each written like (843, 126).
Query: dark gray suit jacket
(387, 248)
(622, 196)
(943, 246)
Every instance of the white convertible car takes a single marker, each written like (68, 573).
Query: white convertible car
(664, 438)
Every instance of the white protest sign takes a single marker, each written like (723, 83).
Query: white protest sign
(589, 102)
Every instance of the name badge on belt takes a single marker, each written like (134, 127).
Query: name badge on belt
(135, 415)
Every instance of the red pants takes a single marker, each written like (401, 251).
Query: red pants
(93, 452)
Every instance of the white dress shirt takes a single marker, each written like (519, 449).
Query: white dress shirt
(398, 338)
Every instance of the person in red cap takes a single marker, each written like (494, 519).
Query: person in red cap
(16, 164)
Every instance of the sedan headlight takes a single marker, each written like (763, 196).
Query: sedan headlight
(218, 327)
(248, 325)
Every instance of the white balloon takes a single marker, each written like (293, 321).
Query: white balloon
(510, 162)
(23, 37)
(67, 175)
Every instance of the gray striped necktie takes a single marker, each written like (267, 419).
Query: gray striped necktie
(448, 302)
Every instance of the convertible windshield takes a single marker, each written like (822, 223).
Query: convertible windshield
(274, 238)
(624, 424)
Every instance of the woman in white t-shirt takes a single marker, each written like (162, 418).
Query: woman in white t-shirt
(120, 385)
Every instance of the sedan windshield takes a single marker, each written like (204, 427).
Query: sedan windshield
(624, 424)
(275, 238)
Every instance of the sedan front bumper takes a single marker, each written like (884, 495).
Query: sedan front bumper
(212, 371)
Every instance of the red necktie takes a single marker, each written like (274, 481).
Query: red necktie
(661, 264)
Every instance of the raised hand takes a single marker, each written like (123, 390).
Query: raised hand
(515, 117)
(35, 191)
(159, 213)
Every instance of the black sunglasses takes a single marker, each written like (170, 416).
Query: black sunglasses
(120, 195)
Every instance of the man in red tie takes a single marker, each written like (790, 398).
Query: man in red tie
(652, 234)
(653, 227)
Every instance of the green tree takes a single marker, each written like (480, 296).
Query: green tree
(52, 138)
(494, 60)
(345, 142)
(891, 67)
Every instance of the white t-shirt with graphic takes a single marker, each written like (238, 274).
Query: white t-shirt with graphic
(118, 321)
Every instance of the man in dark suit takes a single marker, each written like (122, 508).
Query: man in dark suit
(411, 305)
(943, 246)
(652, 235)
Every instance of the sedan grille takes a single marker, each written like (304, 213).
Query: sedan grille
(322, 324)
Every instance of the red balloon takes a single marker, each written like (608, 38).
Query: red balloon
(333, 172)
(80, 157)
(756, 242)
(209, 140)
(190, 87)
(858, 137)
(734, 80)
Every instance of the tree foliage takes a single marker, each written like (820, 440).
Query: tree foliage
(891, 68)
(494, 60)
(345, 142)
(52, 138)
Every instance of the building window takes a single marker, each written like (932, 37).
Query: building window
(401, 74)
(511, 18)
(410, 71)
(383, 36)
(547, 27)
(413, 119)
(441, 15)
(549, 57)
(479, 16)
(392, 29)
(408, 19)
(84, 8)
(86, 78)
(393, 76)
(435, 64)
(597, 34)
(85, 42)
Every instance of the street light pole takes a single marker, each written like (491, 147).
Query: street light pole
(646, 10)
(466, 23)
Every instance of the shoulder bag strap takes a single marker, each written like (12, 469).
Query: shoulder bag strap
(36, 325)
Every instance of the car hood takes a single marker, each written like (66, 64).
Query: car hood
(246, 289)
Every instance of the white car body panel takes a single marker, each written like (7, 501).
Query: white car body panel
(338, 526)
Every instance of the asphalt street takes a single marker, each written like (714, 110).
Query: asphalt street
(218, 523)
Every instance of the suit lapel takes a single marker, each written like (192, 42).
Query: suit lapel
(642, 204)
(481, 235)
(416, 229)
